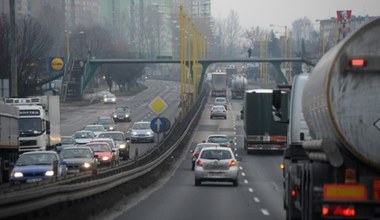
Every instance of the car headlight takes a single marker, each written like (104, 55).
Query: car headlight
(122, 146)
(112, 127)
(49, 173)
(115, 116)
(126, 115)
(105, 158)
(18, 174)
(134, 133)
(114, 100)
(86, 165)
(149, 133)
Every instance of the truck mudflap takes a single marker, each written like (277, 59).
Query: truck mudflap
(351, 201)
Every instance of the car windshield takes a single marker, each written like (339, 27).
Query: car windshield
(217, 139)
(94, 128)
(99, 147)
(218, 108)
(105, 121)
(67, 140)
(114, 136)
(76, 153)
(216, 154)
(141, 126)
(80, 135)
(36, 159)
(121, 110)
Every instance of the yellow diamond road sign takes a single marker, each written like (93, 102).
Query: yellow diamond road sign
(158, 105)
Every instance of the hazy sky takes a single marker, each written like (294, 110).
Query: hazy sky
(283, 12)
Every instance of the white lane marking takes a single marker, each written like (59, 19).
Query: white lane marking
(243, 174)
(235, 148)
(250, 190)
(256, 199)
(265, 212)
(241, 168)
(235, 137)
(246, 181)
(236, 155)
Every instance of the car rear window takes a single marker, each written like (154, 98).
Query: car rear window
(216, 154)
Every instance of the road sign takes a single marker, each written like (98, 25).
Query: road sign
(160, 124)
(158, 105)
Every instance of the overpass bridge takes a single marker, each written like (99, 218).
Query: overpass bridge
(87, 68)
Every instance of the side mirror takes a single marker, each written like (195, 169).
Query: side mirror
(47, 127)
(276, 99)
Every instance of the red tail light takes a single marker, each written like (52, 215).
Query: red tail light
(199, 163)
(232, 163)
(294, 193)
(338, 210)
(358, 62)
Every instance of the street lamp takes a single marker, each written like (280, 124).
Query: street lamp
(68, 44)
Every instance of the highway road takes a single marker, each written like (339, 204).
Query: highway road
(258, 196)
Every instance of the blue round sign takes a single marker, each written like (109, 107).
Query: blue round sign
(160, 124)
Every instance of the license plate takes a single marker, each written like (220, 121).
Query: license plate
(33, 180)
(214, 174)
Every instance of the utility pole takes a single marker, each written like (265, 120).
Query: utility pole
(13, 42)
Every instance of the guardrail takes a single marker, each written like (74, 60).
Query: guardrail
(66, 190)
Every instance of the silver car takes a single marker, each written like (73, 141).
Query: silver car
(218, 111)
(141, 132)
(216, 164)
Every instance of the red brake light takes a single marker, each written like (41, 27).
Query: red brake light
(294, 193)
(199, 163)
(338, 210)
(232, 163)
(358, 62)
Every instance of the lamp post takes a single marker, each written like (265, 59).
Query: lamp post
(68, 44)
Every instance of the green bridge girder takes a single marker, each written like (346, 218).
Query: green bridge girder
(93, 64)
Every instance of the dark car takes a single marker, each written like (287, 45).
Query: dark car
(37, 166)
(66, 141)
(107, 122)
(79, 159)
(121, 142)
(121, 114)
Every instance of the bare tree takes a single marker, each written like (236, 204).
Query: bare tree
(33, 42)
(233, 33)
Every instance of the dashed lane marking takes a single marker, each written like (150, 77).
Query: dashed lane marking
(246, 181)
(265, 212)
(250, 190)
(256, 199)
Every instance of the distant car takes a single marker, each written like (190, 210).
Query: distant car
(79, 159)
(198, 149)
(104, 152)
(83, 137)
(221, 101)
(66, 141)
(121, 142)
(107, 122)
(109, 98)
(218, 111)
(37, 166)
(216, 164)
(112, 144)
(141, 132)
(97, 129)
(220, 139)
(121, 114)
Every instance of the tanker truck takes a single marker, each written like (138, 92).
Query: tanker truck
(336, 173)
(238, 86)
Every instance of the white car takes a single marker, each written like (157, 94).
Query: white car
(83, 137)
(141, 132)
(216, 164)
(97, 129)
(109, 98)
